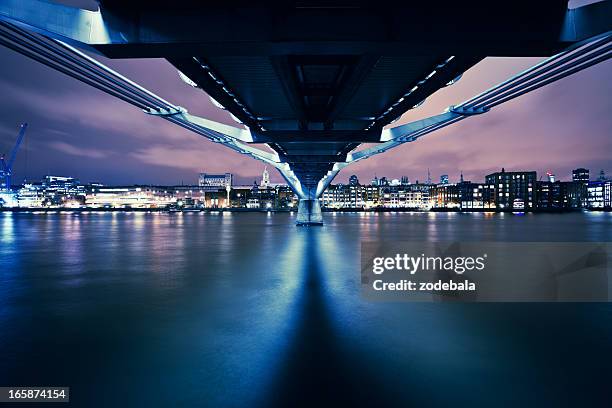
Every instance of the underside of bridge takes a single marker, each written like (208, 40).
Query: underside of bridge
(311, 79)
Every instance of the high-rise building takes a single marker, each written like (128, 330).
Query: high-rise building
(444, 179)
(405, 181)
(513, 189)
(577, 191)
(551, 177)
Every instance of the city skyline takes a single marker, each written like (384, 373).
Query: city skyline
(539, 131)
(594, 175)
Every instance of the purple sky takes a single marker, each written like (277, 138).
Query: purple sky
(79, 131)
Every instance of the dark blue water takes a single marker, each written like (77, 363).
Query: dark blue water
(246, 310)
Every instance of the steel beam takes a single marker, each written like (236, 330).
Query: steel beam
(69, 24)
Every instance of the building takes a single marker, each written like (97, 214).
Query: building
(512, 189)
(31, 195)
(475, 195)
(380, 181)
(353, 180)
(215, 181)
(63, 191)
(600, 195)
(444, 195)
(551, 194)
(444, 179)
(344, 196)
(130, 197)
(340, 196)
(581, 175)
(578, 191)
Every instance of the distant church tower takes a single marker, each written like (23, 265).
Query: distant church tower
(265, 180)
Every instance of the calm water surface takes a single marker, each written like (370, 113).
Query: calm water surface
(247, 310)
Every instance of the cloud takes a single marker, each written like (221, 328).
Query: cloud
(78, 151)
(199, 159)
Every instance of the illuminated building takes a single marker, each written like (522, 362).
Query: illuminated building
(507, 186)
(600, 195)
(214, 181)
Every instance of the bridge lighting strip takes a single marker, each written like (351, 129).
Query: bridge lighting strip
(219, 82)
(401, 99)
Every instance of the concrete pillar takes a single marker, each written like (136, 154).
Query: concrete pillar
(309, 212)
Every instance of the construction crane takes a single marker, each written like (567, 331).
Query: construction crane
(7, 165)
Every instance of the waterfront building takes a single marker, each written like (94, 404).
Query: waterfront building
(8, 199)
(215, 181)
(31, 195)
(345, 196)
(409, 196)
(130, 197)
(476, 195)
(444, 195)
(252, 203)
(417, 196)
(63, 191)
(600, 195)
(508, 186)
(577, 192)
(550, 194)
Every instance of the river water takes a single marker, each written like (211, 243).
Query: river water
(247, 310)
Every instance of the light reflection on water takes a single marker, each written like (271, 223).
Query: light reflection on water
(245, 309)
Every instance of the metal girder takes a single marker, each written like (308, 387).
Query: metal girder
(586, 22)
(68, 24)
(366, 27)
(319, 136)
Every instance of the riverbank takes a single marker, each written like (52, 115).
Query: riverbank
(264, 210)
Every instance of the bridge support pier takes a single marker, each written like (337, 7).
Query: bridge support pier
(309, 212)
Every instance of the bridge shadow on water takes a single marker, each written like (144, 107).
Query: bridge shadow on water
(316, 369)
